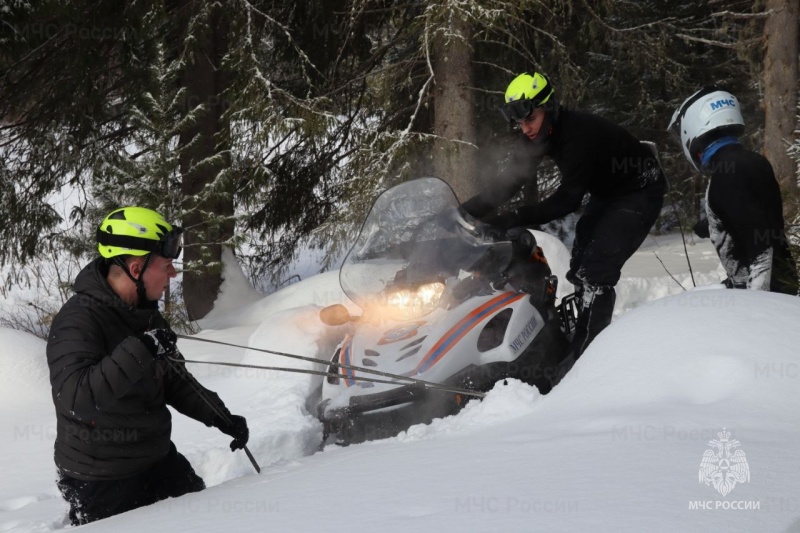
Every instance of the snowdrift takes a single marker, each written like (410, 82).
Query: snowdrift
(617, 446)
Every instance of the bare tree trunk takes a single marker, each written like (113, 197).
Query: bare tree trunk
(206, 137)
(454, 151)
(780, 89)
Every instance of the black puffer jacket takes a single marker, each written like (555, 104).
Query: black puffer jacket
(110, 395)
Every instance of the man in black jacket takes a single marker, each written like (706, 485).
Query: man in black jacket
(621, 175)
(108, 353)
(744, 209)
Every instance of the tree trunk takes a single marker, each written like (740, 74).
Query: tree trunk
(780, 89)
(207, 215)
(454, 151)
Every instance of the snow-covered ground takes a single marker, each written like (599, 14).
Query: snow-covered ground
(617, 446)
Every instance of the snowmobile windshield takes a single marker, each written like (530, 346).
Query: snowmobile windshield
(414, 237)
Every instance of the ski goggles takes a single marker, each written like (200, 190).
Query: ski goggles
(517, 110)
(170, 246)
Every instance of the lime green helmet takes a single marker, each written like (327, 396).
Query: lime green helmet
(524, 93)
(536, 88)
(138, 231)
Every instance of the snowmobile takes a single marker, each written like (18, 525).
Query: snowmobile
(445, 299)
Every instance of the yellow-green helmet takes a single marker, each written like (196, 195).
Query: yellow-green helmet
(138, 231)
(536, 88)
(526, 92)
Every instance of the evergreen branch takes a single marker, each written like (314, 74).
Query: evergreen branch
(720, 44)
(735, 15)
(607, 26)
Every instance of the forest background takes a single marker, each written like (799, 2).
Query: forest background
(267, 127)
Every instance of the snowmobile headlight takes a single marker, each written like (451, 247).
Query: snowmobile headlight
(413, 303)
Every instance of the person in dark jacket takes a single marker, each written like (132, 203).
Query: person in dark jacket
(744, 209)
(621, 175)
(108, 352)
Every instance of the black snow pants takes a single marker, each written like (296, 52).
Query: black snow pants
(609, 232)
(93, 500)
(606, 236)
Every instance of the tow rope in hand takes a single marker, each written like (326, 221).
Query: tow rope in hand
(199, 390)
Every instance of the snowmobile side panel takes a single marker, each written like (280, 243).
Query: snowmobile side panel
(464, 326)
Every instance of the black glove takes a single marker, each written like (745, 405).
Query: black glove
(500, 234)
(507, 220)
(160, 342)
(492, 233)
(701, 229)
(522, 241)
(236, 427)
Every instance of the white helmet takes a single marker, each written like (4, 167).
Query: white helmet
(705, 116)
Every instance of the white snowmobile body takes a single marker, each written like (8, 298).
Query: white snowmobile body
(464, 317)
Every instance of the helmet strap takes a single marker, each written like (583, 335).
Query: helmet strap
(141, 292)
(542, 140)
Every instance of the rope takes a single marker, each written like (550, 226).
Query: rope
(421, 382)
(670, 273)
(199, 390)
(286, 369)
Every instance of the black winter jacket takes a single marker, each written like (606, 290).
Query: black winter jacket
(745, 219)
(110, 395)
(594, 156)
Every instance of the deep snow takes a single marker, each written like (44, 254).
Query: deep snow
(617, 446)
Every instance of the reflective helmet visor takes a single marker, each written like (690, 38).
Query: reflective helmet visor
(517, 110)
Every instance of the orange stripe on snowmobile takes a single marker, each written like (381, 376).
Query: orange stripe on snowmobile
(464, 326)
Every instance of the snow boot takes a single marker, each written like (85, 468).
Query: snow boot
(597, 306)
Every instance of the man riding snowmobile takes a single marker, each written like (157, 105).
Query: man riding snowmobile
(621, 175)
